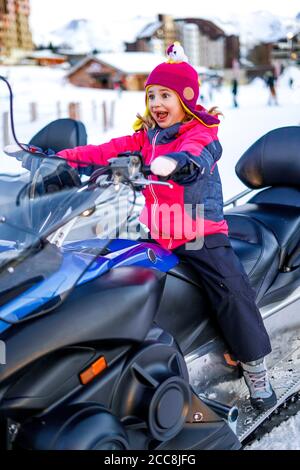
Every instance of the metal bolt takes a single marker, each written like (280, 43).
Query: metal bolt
(197, 417)
(248, 408)
(248, 421)
(13, 430)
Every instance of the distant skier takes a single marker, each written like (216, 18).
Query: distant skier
(118, 88)
(234, 91)
(271, 81)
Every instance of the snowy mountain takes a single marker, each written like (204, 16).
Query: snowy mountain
(263, 26)
(259, 26)
(82, 35)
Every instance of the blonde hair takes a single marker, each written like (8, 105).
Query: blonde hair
(214, 111)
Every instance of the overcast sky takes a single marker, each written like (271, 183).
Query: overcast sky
(50, 14)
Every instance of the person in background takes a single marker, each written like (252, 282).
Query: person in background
(271, 84)
(118, 88)
(234, 90)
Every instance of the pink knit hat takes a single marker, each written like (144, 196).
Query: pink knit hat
(177, 75)
(181, 77)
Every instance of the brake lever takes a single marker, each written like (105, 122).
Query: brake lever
(145, 182)
(128, 167)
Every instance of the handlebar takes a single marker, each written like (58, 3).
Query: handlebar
(128, 168)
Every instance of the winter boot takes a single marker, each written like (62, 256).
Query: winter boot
(262, 395)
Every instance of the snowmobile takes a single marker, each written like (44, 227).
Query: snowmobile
(108, 342)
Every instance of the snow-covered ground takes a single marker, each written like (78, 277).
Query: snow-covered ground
(239, 129)
(285, 437)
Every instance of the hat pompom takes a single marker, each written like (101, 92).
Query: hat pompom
(176, 53)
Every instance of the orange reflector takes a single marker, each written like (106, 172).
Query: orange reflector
(93, 370)
(229, 360)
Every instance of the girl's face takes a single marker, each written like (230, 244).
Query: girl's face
(164, 106)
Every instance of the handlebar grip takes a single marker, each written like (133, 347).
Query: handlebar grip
(186, 170)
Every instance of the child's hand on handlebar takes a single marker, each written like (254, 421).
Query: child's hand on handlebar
(163, 166)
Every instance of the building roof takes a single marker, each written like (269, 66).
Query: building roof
(125, 62)
(149, 30)
(45, 54)
(208, 27)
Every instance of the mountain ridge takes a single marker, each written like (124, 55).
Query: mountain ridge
(85, 35)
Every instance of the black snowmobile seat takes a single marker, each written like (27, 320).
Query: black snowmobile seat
(61, 134)
(257, 249)
(282, 220)
(57, 135)
(273, 160)
(186, 272)
(266, 230)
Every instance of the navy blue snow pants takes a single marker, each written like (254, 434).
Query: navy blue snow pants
(231, 296)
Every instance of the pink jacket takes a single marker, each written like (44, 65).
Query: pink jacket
(171, 214)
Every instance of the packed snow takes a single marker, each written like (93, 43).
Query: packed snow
(284, 437)
(240, 127)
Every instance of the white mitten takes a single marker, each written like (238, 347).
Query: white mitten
(163, 166)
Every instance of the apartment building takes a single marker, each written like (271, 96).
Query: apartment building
(275, 55)
(205, 43)
(155, 37)
(286, 51)
(14, 26)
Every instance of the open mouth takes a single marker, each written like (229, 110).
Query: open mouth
(161, 116)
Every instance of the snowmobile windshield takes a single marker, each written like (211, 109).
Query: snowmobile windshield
(49, 240)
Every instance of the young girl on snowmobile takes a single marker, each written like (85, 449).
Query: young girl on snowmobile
(176, 134)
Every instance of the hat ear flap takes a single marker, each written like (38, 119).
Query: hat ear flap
(137, 125)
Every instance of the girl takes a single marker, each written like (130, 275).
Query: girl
(175, 134)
